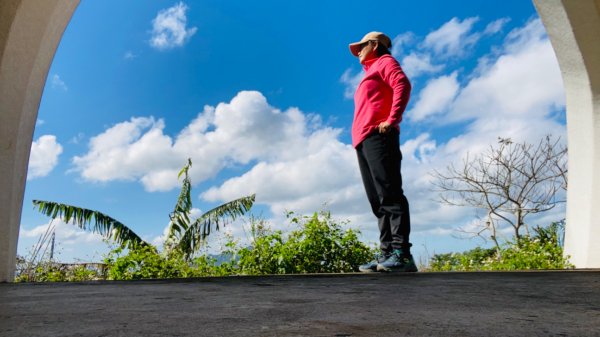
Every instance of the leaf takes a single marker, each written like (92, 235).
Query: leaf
(92, 221)
(180, 216)
(196, 233)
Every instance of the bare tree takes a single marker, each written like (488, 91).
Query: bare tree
(509, 181)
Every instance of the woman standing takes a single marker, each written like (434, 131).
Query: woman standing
(380, 100)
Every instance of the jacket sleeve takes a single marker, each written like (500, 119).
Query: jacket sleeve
(394, 76)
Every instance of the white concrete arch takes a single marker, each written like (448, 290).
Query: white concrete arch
(574, 30)
(30, 31)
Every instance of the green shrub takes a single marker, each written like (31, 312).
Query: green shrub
(474, 259)
(48, 271)
(144, 262)
(543, 250)
(147, 263)
(319, 245)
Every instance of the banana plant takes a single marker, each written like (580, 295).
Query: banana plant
(92, 221)
(183, 234)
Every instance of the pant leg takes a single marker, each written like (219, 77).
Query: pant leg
(385, 233)
(382, 155)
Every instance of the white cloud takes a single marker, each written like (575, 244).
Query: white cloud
(434, 53)
(236, 133)
(70, 242)
(495, 26)
(351, 81)
(127, 151)
(129, 55)
(44, 156)
(419, 149)
(524, 81)
(435, 98)
(57, 83)
(169, 28)
(452, 38)
(416, 64)
(515, 96)
(77, 138)
(400, 41)
(326, 175)
(65, 232)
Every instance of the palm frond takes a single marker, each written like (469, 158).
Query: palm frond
(92, 221)
(180, 216)
(196, 233)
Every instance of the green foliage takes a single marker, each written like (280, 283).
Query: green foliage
(474, 259)
(543, 250)
(319, 245)
(91, 220)
(540, 251)
(189, 237)
(143, 263)
(192, 239)
(59, 272)
(146, 263)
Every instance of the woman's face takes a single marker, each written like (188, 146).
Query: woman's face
(367, 51)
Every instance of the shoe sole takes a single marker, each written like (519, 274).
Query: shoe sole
(391, 270)
(370, 270)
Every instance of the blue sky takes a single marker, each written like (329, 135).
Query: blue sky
(259, 95)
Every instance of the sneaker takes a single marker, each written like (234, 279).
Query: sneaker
(398, 261)
(370, 267)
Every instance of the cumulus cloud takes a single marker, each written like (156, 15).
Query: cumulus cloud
(127, 151)
(495, 26)
(44, 156)
(65, 232)
(70, 241)
(452, 38)
(400, 41)
(239, 132)
(416, 64)
(524, 81)
(58, 84)
(433, 53)
(435, 97)
(129, 55)
(351, 81)
(516, 96)
(326, 175)
(169, 28)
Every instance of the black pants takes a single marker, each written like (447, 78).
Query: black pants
(379, 160)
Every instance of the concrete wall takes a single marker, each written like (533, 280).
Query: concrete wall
(574, 30)
(30, 31)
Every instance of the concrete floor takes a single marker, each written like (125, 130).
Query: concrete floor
(419, 304)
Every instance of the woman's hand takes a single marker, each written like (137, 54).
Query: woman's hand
(384, 127)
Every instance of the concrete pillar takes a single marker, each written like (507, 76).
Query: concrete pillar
(30, 31)
(574, 30)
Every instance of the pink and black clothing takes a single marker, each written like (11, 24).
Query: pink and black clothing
(382, 96)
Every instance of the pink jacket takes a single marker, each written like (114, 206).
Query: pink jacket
(382, 95)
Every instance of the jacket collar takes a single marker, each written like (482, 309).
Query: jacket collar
(369, 63)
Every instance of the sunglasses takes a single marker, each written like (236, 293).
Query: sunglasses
(364, 44)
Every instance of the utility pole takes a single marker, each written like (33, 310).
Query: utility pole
(52, 246)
